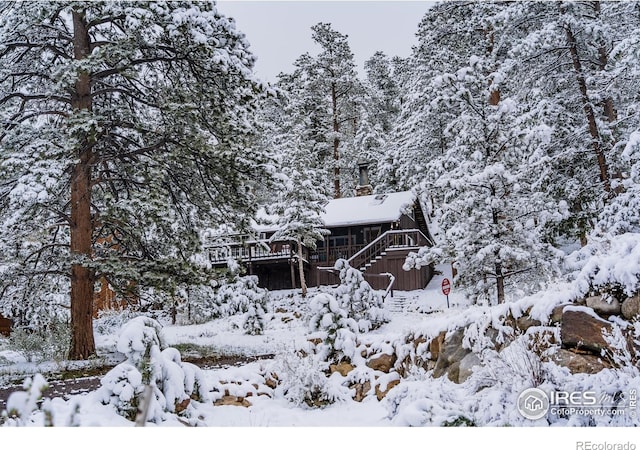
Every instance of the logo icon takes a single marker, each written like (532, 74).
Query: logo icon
(533, 403)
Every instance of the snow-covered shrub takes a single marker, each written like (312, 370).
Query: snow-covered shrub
(174, 383)
(609, 262)
(21, 405)
(303, 381)
(109, 321)
(429, 402)
(243, 295)
(358, 298)
(337, 330)
(50, 342)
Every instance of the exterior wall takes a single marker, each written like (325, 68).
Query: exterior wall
(5, 326)
(392, 263)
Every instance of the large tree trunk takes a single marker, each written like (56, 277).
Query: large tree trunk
(303, 281)
(596, 141)
(336, 141)
(82, 278)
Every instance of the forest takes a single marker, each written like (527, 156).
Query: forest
(131, 132)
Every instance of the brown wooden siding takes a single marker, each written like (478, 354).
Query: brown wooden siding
(5, 326)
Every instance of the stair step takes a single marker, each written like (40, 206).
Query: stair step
(379, 257)
(383, 253)
(397, 304)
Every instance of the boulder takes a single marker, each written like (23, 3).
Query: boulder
(604, 306)
(232, 400)
(467, 364)
(342, 368)
(436, 344)
(450, 353)
(361, 390)
(383, 363)
(523, 323)
(380, 394)
(631, 307)
(583, 329)
(579, 362)
(556, 314)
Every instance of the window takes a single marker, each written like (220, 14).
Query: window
(371, 233)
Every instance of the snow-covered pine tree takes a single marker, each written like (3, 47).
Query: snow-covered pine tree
(125, 127)
(379, 108)
(579, 61)
(301, 200)
(490, 216)
(328, 87)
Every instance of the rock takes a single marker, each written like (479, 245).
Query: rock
(556, 314)
(383, 363)
(390, 385)
(419, 340)
(342, 368)
(181, 406)
(453, 372)
(579, 362)
(450, 353)
(523, 323)
(436, 344)
(281, 310)
(631, 307)
(315, 341)
(582, 330)
(606, 308)
(232, 400)
(361, 390)
(467, 364)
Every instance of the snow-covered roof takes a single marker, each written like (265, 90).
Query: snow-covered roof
(367, 209)
(348, 211)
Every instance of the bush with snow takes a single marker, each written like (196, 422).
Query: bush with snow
(21, 405)
(174, 383)
(243, 295)
(303, 381)
(610, 262)
(337, 330)
(358, 299)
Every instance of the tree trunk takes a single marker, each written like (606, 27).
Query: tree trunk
(303, 282)
(498, 260)
(596, 141)
(82, 278)
(293, 271)
(336, 141)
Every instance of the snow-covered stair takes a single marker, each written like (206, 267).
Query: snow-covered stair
(397, 304)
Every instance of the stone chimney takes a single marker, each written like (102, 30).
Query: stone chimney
(364, 186)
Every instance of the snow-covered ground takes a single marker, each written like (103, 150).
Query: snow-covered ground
(286, 331)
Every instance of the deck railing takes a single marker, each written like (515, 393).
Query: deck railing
(386, 241)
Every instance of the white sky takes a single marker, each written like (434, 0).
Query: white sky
(280, 31)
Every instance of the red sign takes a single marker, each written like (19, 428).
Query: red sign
(446, 286)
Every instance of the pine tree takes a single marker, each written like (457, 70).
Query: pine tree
(327, 90)
(125, 128)
(300, 202)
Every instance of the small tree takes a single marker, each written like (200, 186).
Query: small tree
(299, 210)
(358, 298)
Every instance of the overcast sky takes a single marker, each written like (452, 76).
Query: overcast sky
(280, 31)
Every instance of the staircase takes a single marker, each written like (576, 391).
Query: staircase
(397, 304)
(393, 239)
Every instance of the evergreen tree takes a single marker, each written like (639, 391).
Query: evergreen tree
(125, 128)
(327, 90)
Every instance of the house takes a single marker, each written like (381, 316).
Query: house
(375, 233)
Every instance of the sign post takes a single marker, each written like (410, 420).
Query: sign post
(446, 289)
